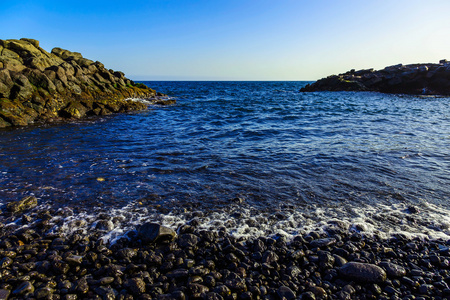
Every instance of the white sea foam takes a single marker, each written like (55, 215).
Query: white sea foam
(246, 222)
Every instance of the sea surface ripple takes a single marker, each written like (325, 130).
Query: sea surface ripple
(253, 157)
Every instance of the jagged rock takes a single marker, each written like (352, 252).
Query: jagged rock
(36, 85)
(74, 110)
(406, 79)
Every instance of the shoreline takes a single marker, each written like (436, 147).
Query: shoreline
(414, 79)
(45, 264)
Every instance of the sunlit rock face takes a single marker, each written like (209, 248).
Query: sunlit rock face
(36, 85)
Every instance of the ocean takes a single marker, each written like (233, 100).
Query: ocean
(250, 158)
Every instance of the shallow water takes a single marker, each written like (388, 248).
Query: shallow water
(255, 157)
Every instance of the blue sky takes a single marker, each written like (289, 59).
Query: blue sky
(236, 40)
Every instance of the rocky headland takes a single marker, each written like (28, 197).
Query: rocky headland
(416, 79)
(38, 86)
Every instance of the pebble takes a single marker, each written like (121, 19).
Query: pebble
(285, 293)
(393, 270)
(322, 242)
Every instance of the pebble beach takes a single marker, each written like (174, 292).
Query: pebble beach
(157, 262)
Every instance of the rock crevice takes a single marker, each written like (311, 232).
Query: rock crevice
(416, 79)
(38, 86)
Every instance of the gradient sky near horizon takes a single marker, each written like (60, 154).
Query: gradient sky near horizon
(236, 39)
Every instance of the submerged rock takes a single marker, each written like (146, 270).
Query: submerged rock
(37, 86)
(21, 205)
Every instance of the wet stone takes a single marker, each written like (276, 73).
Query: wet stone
(60, 267)
(339, 261)
(426, 289)
(285, 293)
(319, 292)
(106, 280)
(392, 269)
(81, 286)
(213, 296)
(270, 257)
(222, 290)
(106, 293)
(74, 259)
(136, 286)
(363, 272)
(308, 296)
(322, 242)
(188, 240)
(153, 233)
(5, 262)
(178, 273)
(43, 293)
(4, 294)
(23, 289)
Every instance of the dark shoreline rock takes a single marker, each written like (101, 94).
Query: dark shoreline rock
(41, 263)
(415, 79)
(37, 86)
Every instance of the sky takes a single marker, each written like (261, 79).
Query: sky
(236, 39)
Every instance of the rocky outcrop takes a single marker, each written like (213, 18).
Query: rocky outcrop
(37, 86)
(425, 79)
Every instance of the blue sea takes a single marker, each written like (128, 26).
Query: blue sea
(251, 158)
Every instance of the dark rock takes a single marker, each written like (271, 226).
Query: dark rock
(363, 272)
(60, 267)
(74, 259)
(188, 240)
(197, 289)
(179, 273)
(308, 296)
(393, 270)
(409, 79)
(25, 288)
(222, 290)
(154, 233)
(136, 286)
(426, 289)
(81, 286)
(413, 209)
(319, 292)
(322, 242)
(5, 262)
(285, 293)
(4, 294)
(44, 293)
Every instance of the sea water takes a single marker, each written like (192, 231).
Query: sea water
(253, 158)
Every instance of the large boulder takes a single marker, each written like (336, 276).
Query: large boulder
(363, 272)
(153, 233)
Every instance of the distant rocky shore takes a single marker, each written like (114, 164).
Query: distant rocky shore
(416, 79)
(37, 86)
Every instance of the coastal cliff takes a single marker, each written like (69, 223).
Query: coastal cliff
(417, 79)
(38, 86)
